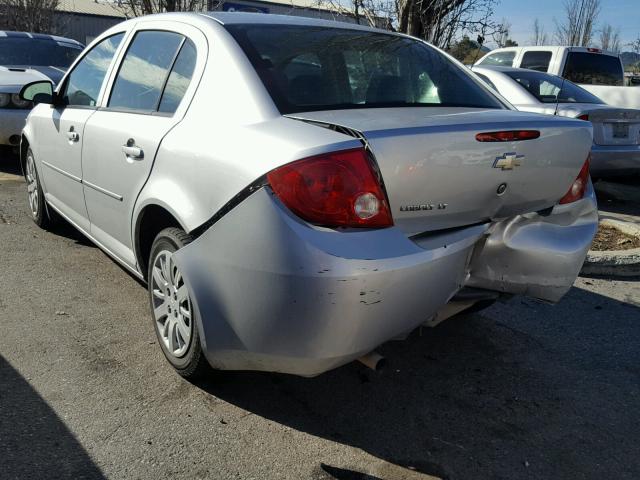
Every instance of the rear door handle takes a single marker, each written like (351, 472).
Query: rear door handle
(131, 151)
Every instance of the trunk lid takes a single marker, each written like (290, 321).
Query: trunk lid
(437, 175)
(615, 126)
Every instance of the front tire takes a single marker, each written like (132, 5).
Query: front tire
(171, 307)
(35, 196)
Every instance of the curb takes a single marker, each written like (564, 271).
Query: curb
(618, 263)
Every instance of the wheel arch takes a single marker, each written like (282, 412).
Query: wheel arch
(24, 146)
(151, 219)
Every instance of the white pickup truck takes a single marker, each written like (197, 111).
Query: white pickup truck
(600, 72)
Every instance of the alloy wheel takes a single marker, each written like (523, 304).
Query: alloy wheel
(171, 305)
(32, 185)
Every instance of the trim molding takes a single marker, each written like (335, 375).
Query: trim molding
(59, 170)
(108, 193)
(102, 190)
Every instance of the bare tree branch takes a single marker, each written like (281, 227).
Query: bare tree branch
(539, 35)
(577, 29)
(610, 38)
(28, 15)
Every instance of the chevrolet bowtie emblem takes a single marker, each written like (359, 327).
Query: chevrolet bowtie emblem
(508, 161)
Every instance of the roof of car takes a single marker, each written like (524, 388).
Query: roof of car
(231, 18)
(39, 36)
(497, 68)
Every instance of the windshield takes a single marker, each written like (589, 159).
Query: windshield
(308, 68)
(551, 89)
(593, 69)
(31, 51)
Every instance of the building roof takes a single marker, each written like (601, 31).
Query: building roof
(107, 8)
(91, 7)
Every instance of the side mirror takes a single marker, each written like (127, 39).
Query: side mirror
(38, 92)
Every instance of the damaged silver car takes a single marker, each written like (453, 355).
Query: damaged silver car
(296, 192)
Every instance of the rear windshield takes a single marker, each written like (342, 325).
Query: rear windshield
(25, 51)
(308, 68)
(593, 69)
(551, 89)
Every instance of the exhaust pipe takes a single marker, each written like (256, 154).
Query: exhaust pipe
(373, 360)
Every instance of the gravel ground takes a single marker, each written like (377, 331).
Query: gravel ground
(522, 390)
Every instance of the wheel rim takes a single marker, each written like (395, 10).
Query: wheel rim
(32, 186)
(171, 305)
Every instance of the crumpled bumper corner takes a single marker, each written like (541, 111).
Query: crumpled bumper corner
(536, 255)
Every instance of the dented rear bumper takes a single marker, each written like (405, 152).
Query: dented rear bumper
(535, 255)
(273, 293)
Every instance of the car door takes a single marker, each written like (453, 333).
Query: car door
(148, 95)
(61, 131)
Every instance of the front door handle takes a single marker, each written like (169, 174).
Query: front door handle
(132, 151)
(72, 135)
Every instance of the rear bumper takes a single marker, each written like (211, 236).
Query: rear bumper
(272, 293)
(12, 122)
(534, 255)
(615, 160)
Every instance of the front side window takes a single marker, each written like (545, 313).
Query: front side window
(144, 70)
(593, 69)
(308, 68)
(551, 89)
(85, 81)
(499, 59)
(536, 60)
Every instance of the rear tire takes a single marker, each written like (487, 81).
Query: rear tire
(35, 195)
(172, 311)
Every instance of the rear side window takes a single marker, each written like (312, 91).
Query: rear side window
(536, 60)
(309, 68)
(486, 80)
(499, 59)
(593, 69)
(179, 78)
(551, 88)
(144, 70)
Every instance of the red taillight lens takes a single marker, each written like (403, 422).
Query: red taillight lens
(508, 136)
(578, 187)
(584, 117)
(338, 189)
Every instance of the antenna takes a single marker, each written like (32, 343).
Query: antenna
(558, 96)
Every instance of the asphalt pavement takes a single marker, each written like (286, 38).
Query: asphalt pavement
(523, 390)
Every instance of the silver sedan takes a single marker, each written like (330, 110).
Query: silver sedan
(616, 131)
(296, 192)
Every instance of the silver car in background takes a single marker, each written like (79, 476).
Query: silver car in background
(296, 192)
(616, 131)
(25, 58)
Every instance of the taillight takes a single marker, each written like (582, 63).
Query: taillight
(584, 117)
(508, 136)
(338, 189)
(578, 187)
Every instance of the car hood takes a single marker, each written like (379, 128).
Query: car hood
(13, 77)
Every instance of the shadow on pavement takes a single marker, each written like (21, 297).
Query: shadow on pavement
(34, 442)
(9, 162)
(523, 390)
(619, 203)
